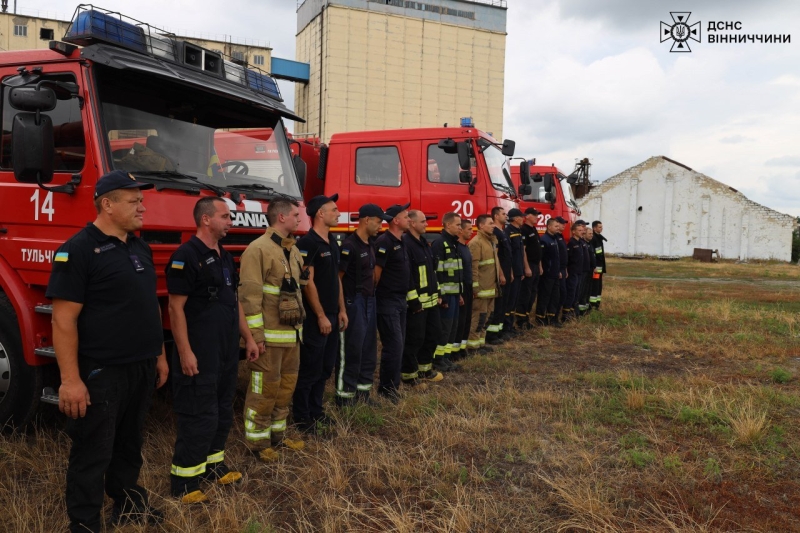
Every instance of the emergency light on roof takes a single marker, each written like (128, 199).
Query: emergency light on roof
(466, 122)
(91, 25)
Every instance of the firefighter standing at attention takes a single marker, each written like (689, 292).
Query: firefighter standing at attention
(270, 295)
(485, 283)
(450, 277)
(207, 321)
(598, 246)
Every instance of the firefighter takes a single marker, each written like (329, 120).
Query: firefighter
(109, 344)
(450, 278)
(392, 275)
(465, 313)
(591, 262)
(576, 267)
(494, 331)
(563, 260)
(519, 268)
(359, 357)
(206, 320)
(600, 269)
(326, 316)
(486, 282)
(423, 322)
(530, 284)
(548, 297)
(270, 296)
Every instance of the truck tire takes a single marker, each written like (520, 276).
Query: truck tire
(20, 383)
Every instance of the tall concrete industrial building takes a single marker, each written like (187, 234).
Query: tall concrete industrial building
(380, 64)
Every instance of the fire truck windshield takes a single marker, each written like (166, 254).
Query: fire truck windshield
(164, 129)
(499, 170)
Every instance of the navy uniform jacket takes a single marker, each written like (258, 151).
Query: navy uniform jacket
(599, 250)
(577, 261)
(551, 258)
(517, 250)
(503, 251)
(562, 253)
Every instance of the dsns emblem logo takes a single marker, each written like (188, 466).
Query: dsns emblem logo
(680, 31)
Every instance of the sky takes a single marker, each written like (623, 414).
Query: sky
(588, 78)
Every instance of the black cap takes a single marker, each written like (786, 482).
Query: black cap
(532, 211)
(396, 209)
(515, 213)
(561, 220)
(372, 210)
(315, 203)
(118, 179)
(580, 222)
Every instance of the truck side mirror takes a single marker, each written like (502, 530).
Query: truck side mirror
(550, 197)
(32, 147)
(32, 99)
(448, 146)
(300, 169)
(525, 190)
(462, 149)
(524, 173)
(508, 148)
(464, 176)
(548, 183)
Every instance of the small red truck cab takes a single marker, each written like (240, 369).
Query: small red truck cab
(437, 170)
(131, 99)
(548, 191)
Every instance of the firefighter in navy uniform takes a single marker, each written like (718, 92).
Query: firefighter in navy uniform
(109, 344)
(519, 267)
(530, 285)
(600, 270)
(207, 322)
(356, 365)
(548, 298)
(423, 323)
(326, 316)
(450, 277)
(563, 260)
(576, 268)
(392, 278)
(494, 331)
(465, 314)
(591, 263)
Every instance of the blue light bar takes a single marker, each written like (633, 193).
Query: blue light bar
(466, 122)
(91, 25)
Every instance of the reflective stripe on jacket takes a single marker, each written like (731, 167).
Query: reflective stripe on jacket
(448, 264)
(262, 270)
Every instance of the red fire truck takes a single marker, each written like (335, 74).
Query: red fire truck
(548, 190)
(119, 94)
(438, 170)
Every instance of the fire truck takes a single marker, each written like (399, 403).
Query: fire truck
(439, 170)
(548, 190)
(120, 94)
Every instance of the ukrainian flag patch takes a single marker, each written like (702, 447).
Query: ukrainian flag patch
(381, 250)
(62, 257)
(177, 265)
(303, 253)
(345, 251)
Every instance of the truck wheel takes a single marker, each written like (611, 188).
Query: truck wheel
(20, 383)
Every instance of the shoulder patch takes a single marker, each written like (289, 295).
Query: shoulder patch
(177, 265)
(61, 257)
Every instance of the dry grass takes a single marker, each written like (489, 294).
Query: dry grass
(661, 414)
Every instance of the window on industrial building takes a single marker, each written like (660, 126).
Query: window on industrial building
(258, 60)
(46, 34)
(378, 166)
(20, 30)
(68, 131)
(239, 56)
(443, 167)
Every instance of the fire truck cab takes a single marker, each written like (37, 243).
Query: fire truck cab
(121, 95)
(546, 189)
(438, 170)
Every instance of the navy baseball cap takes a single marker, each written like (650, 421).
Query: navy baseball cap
(580, 222)
(561, 220)
(396, 209)
(372, 210)
(315, 203)
(515, 213)
(118, 179)
(532, 211)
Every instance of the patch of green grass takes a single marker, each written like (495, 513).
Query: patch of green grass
(779, 375)
(690, 415)
(463, 475)
(673, 464)
(257, 527)
(633, 440)
(712, 469)
(612, 412)
(638, 458)
(368, 418)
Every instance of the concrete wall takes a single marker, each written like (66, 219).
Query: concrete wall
(381, 69)
(660, 207)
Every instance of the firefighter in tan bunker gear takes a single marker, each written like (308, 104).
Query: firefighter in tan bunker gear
(485, 283)
(270, 296)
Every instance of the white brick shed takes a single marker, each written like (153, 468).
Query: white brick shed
(662, 207)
